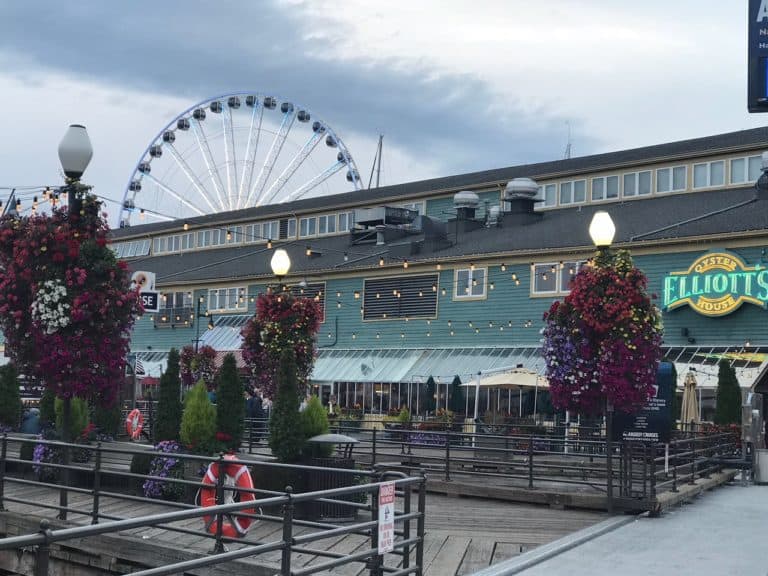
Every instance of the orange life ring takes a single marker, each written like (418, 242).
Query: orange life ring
(134, 423)
(237, 476)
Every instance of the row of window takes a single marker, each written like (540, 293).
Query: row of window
(258, 232)
(131, 249)
(642, 182)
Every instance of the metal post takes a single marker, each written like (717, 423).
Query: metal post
(65, 460)
(406, 526)
(448, 456)
(42, 554)
(609, 454)
(151, 419)
(373, 448)
(285, 562)
(376, 560)
(653, 472)
(530, 462)
(420, 525)
(96, 485)
(693, 460)
(674, 466)
(3, 456)
(218, 548)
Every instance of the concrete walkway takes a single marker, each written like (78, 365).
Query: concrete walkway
(719, 533)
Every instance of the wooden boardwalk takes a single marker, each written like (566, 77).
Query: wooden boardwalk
(463, 535)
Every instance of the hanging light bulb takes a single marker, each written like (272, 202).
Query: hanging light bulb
(381, 261)
(503, 267)
(186, 226)
(346, 257)
(141, 214)
(439, 266)
(357, 295)
(442, 291)
(269, 244)
(309, 251)
(492, 286)
(229, 235)
(434, 287)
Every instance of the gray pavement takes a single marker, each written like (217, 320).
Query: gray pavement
(720, 533)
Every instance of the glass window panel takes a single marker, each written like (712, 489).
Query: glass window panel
(679, 174)
(322, 227)
(478, 282)
(312, 226)
(343, 225)
(544, 280)
(567, 274)
(598, 188)
(738, 170)
(292, 227)
(304, 227)
(663, 180)
(612, 187)
(462, 283)
(699, 175)
(566, 193)
(629, 184)
(717, 173)
(580, 191)
(332, 224)
(550, 195)
(644, 182)
(754, 169)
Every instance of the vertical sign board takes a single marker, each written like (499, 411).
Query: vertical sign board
(653, 422)
(386, 517)
(757, 89)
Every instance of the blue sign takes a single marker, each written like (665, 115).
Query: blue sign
(653, 423)
(757, 90)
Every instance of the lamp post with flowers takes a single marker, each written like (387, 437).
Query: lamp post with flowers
(602, 343)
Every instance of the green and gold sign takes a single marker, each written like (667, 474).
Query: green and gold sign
(716, 284)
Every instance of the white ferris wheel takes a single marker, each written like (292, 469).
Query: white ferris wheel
(236, 151)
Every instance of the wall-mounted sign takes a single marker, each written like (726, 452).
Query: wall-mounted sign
(716, 284)
(145, 281)
(757, 49)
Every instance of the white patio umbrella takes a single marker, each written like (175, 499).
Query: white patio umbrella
(689, 412)
(516, 378)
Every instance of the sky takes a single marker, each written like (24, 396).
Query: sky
(454, 86)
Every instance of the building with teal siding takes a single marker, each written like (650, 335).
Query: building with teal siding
(451, 276)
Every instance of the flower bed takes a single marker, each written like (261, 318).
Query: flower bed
(165, 467)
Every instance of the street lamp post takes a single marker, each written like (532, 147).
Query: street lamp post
(197, 322)
(281, 265)
(75, 153)
(602, 230)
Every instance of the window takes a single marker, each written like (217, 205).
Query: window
(270, 230)
(548, 193)
(605, 188)
(671, 179)
(307, 227)
(175, 310)
(637, 183)
(227, 299)
(400, 297)
(745, 169)
(188, 241)
(573, 192)
(344, 222)
(292, 228)
(554, 278)
(709, 174)
(204, 238)
(326, 224)
(470, 284)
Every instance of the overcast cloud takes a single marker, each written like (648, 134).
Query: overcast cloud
(454, 86)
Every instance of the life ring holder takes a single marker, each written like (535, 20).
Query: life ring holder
(237, 477)
(134, 424)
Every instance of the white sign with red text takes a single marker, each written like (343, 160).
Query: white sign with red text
(386, 517)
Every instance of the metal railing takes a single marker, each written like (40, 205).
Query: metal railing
(409, 532)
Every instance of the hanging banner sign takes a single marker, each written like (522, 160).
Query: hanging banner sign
(386, 517)
(653, 423)
(757, 60)
(716, 284)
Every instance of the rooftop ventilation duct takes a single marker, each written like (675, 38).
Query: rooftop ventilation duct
(466, 204)
(521, 189)
(520, 196)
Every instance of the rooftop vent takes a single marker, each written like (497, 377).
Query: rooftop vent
(466, 204)
(521, 188)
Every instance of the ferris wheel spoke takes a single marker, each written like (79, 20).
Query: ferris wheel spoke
(175, 194)
(228, 129)
(277, 145)
(195, 181)
(315, 182)
(210, 164)
(249, 160)
(293, 165)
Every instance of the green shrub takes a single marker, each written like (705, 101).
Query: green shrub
(286, 437)
(728, 402)
(169, 408)
(47, 409)
(404, 416)
(230, 404)
(10, 399)
(78, 418)
(198, 423)
(107, 420)
(314, 421)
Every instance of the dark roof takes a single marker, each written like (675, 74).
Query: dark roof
(745, 139)
(673, 218)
